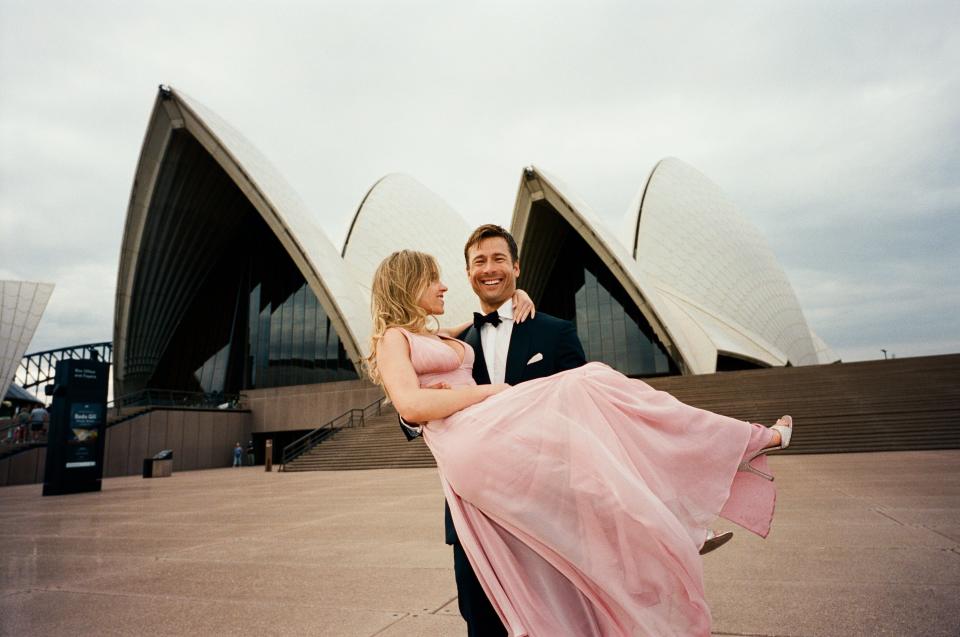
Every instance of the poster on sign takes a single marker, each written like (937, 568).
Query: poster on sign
(85, 422)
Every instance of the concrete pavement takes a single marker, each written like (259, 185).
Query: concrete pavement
(862, 544)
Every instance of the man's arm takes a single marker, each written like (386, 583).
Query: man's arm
(569, 350)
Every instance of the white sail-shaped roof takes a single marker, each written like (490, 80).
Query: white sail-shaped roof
(701, 275)
(288, 216)
(21, 305)
(400, 213)
(279, 206)
(536, 184)
(714, 273)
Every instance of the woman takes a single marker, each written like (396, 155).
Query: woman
(580, 499)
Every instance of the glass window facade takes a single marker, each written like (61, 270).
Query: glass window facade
(299, 345)
(726, 363)
(253, 323)
(611, 335)
(580, 288)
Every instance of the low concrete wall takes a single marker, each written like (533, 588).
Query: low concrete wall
(200, 439)
(306, 406)
(25, 467)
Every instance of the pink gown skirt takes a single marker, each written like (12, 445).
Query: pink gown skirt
(582, 499)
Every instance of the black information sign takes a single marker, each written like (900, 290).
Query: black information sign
(77, 420)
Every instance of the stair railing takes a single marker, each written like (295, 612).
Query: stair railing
(173, 398)
(8, 436)
(349, 418)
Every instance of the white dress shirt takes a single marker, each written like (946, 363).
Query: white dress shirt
(496, 342)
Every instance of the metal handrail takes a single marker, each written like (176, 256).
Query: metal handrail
(305, 443)
(39, 368)
(174, 398)
(4, 433)
(378, 404)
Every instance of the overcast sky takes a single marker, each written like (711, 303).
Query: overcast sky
(834, 126)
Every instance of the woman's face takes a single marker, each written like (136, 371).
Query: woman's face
(432, 298)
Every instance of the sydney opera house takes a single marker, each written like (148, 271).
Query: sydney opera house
(227, 284)
(21, 305)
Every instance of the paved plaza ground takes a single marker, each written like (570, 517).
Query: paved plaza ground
(862, 544)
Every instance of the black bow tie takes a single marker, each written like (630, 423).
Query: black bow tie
(493, 318)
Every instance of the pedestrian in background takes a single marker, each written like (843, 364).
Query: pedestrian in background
(38, 419)
(23, 424)
(237, 455)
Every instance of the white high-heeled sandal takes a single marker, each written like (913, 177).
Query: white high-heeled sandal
(785, 427)
(715, 541)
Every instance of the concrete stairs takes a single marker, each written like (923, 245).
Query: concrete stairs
(377, 444)
(885, 405)
(893, 405)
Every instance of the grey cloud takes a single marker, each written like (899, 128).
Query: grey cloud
(833, 126)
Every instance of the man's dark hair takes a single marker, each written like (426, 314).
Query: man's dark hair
(487, 231)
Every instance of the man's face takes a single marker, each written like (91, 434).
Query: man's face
(492, 272)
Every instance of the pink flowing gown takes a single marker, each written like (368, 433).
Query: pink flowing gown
(581, 499)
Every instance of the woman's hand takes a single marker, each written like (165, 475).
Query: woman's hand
(522, 306)
(495, 388)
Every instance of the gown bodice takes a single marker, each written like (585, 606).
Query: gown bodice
(435, 361)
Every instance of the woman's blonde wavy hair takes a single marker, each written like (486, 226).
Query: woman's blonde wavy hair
(398, 283)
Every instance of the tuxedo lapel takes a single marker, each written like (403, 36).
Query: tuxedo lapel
(517, 354)
(480, 373)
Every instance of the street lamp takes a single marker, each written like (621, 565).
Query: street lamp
(884, 354)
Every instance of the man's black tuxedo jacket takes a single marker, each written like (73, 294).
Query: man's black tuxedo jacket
(555, 339)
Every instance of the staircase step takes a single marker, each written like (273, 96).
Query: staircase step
(376, 444)
(900, 404)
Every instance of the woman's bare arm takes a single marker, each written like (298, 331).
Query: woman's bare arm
(522, 309)
(456, 330)
(522, 306)
(413, 403)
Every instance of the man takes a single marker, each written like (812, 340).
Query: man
(23, 425)
(512, 353)
(505, 352)
(39, 418)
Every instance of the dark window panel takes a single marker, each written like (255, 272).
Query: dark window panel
(286, 338)
(579, 287)
(219, 373)
(263, 349)
(296, 354)
(253, 336)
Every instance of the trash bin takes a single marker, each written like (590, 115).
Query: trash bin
(159, 466)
